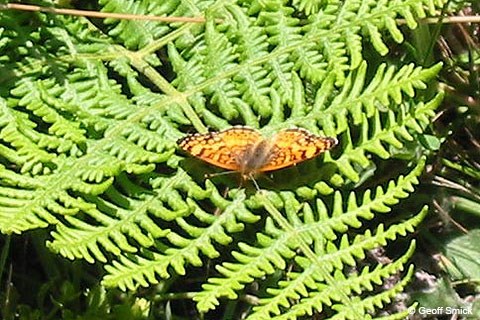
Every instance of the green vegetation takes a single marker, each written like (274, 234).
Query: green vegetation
(103, 217)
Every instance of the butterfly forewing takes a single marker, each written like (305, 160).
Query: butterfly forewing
(292, 146)
(222, 149)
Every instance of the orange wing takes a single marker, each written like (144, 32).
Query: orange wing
(292, 146)
(223, 148)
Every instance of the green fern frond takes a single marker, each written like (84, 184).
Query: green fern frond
(362, 306)
(313, 297)
(378, 132)
(276, 67)
(183, 249)
(135, 34)
(255, 262)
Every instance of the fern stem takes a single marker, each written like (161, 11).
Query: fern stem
(160, 43)
(286, 226)
(5, 251)
(137, 61)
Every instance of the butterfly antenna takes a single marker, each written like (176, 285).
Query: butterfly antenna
(254, 182)
(211, 175)
(269, 178)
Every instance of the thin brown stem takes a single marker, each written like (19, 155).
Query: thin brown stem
(452, 19)
(96, 14)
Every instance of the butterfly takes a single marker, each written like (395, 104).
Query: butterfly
(245, 150)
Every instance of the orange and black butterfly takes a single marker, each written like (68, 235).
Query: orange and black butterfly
(246, 151)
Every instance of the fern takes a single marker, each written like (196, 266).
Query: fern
(317, 226)
(89, 122)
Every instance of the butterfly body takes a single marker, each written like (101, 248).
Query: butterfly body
(246, 151)
(254, 158)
